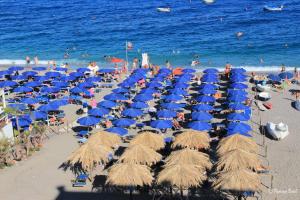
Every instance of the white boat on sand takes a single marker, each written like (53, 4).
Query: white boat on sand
(277, 131)
(263, 88)
(269, 8)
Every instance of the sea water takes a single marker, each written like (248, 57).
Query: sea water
(80, 31)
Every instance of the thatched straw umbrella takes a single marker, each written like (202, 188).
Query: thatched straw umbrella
(140, 154)
(105, 138)
(87, 156)
(237, 142)
(192, 139)
(237, 159)
(149, 139)
(182, 176)
(189, 157)
(129, 175)
(238, 181)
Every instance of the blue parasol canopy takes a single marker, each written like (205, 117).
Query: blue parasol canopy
(33, 84)
(179, 91)
(274, 77)
(83, 69)
(238, 127)
(200, 126)
(115, 97)
(76, 74)
(76, 90)
(131, 112)
(211, 71)
(173, 97)
(188, 70)
(237, 98)
(238, 86)
(232, 92)
(107, 104)
(52, 74)
(38, 115)
(39, 68)
(48, 107)
(15, 68)
(207, 91)
(205, 99)
(286, 75)
(161, 124)
(88, 121)
(117, 130)
(22, 89)
(166, 114)
(201, 116)
(173, 106)
(4, 84)
(203, 107)
(120, 90)
(238, 106)
(139, 105)
(98, 112)
(208, 86)
(238, 117)
(30, 101)
(29, 73)
(123, 122)
(143, 97)
(106, 71)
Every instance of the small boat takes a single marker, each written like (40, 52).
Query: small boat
(277, 131)
(208, 1)
(269, 8)
(164, 9)
(264, 96)
(263, 88)
(260, 106)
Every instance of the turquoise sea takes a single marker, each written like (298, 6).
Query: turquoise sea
(90, 29)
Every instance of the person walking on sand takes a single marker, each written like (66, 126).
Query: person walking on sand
(168, 64)
(227, 70)
(36, 60)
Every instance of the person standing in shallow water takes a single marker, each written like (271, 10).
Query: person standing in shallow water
(27, 59)
(168, 64)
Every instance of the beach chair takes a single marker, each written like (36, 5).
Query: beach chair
(80, 180)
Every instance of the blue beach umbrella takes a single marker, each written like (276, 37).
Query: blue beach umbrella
(4, 84)
(29, 73)
(201, 116)
(232, 92)
(237, 71)
(238, 117)
(208, 86)
(210, 70)
(115, 97)
(118, 130)
(237, 98)
(161, 124)
(199, 126)
(207, 91)
(39, 115)
(238, 86)
(39, 68)
(203, 107)
(173, 97)
(274, 77)
(88, 121)
(131, 112)
(52, 74)
(238, 106)
(33, 84)
(107, 104)
(205, 99)
(30, 101)
(106, 71)
(60, 84)
(59, 102)
(15, 68)
(238, 128)
(188, 70)
(76, 90)
(22, 89)
(286, 75)
(143, 97)
(173, 106)
(19, 77)
(22, 122)
(76, 74)
(123, 122)
(120, 90)
(179, 91)
(98, 112)
(181, 85)
(83, 69)
(154, 85)
(85, 85)
(139, 105)
(48, 107)
(50, 89)
(166, 114)
(209, 79)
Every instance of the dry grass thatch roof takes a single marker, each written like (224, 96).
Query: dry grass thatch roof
(87, 156)
(238, 181)
(237, 159)
(105, 138)
(192, 139)
(182, 176)
(236, 142)
(149, 139)
(129, 174)
(189, 156)
(140, 154)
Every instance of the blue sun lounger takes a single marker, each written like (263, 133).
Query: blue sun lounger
(80, 180)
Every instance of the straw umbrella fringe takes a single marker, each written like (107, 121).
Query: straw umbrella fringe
(189, 156)
(129, 175)
(140, 154)
(182, 176)
(238, 181)
(192, 139)
(237, 159)
(149, 139)
(105, 138)
(236, 142)
(88, 156)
